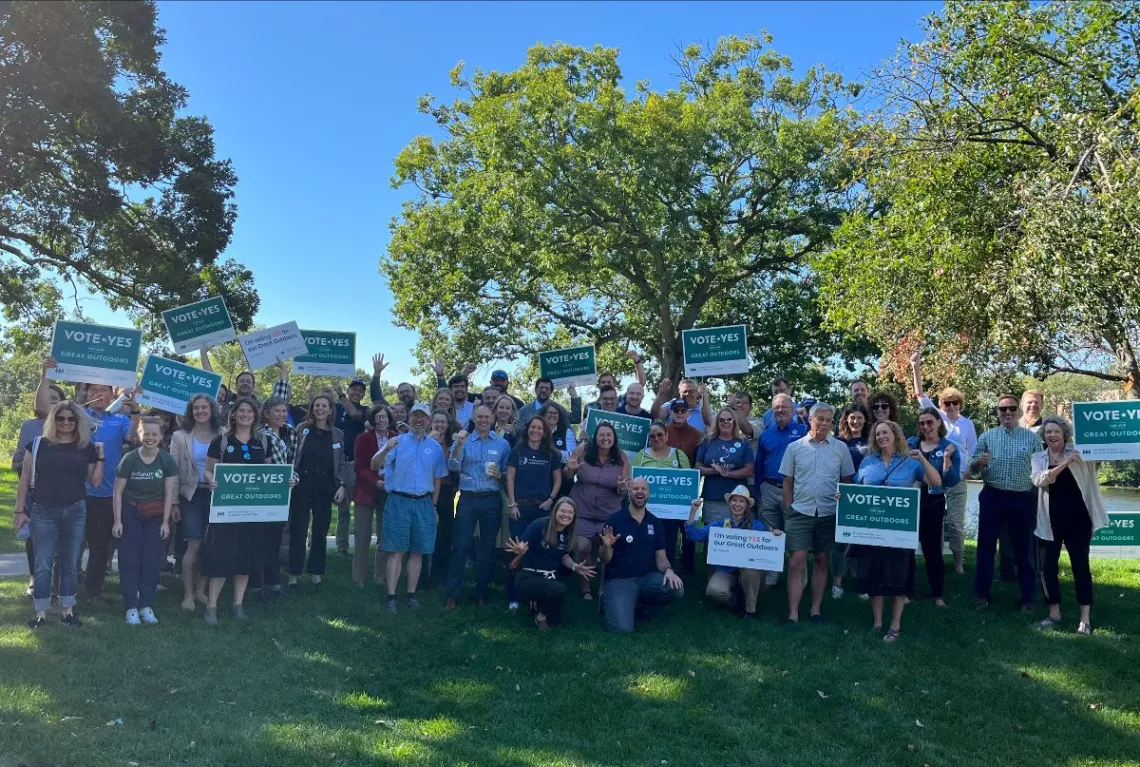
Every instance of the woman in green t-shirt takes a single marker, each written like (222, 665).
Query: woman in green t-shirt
(145, 485)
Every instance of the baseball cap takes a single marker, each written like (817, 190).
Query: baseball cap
(498, 374)
(808, 402)
(678, 403)
(357, 382)
(420, 407)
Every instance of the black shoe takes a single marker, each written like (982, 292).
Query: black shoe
(747, 616)
(71, 621)
(37, 623)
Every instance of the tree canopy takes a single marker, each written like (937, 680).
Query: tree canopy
(1000, 219)
(557, 207)
(104, 184)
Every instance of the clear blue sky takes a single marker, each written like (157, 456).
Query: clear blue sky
(312, 101)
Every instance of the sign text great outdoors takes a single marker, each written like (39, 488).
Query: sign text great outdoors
(750, 549)
(205, 323)
(250, 493)
(715, 351)
(331, 353)
(1107, 431)
(262, 348)
(632, 431)
(569, 367)
(874, 515)
(169, 385)
(1121, 539)
(95, 353)
(670, 490)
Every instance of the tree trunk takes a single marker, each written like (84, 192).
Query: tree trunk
(673, 364)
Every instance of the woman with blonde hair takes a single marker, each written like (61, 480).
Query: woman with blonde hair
(201, 425)
(725, 459)
(52, 500)
(506, 420)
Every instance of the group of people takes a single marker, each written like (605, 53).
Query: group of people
(558, 506)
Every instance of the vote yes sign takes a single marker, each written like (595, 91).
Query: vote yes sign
(250, 493)
(632, 431)
(1121, 539)
(569, 367)
(205, 323)
(670, 490)
(169, 385)
(330, 354)
(1107, 431)
(98, 354)
(873, 515)
(715, 351)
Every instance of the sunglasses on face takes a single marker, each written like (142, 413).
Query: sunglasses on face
(881, 406)
(656, 435)
(927, 424)
(951, 403)
(1007, 408)
(66, 419)
(726, 420)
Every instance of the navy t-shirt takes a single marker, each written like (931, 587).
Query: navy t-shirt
(635, 552)
(540, 555)
(733, 454)
(533, 471)
(351, 427)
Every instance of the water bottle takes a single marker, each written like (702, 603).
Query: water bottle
(117, 405)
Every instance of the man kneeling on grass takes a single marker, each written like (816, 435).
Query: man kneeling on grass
(639, 581)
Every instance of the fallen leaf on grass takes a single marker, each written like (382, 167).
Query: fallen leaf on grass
(920, 724)
(383, 723)
(910, 747)
(498, 668)
(1019, 727)
(474, 656)
(692, 673)
(785, 672)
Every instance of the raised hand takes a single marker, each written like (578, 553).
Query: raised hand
(572, 390)
(469, 368)
(695, 508)
(586, 571)
(633, 355)
(916, 358)
(378, 364)
(49, 364)
(516, 546)
(282, 368)
(461, 437)
(438, 368)
(572, 463)
(609, 537)
(665, 385)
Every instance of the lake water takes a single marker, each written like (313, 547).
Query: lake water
(1115, 499)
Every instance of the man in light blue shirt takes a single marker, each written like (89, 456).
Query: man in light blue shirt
(413, 466)
(481, 460)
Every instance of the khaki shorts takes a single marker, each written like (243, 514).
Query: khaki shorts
(771, 506)
(815, 534)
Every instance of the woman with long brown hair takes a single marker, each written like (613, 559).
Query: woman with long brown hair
(320, 450)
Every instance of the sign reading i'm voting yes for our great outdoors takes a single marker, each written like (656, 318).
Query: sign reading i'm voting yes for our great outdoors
(874, 515)
(1107, 431)
(250, 493)
(569, 367)
(632, 431)
(95, 353)
(750, 549)
(330, 354)
(715, 351)
(263, 347)
(205, 323)
(670, 490)
(1121, 539)
(169, 385)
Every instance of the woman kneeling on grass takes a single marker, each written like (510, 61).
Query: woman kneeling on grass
(539, 551)
(722, 584)
(146, 484)
(885, 570)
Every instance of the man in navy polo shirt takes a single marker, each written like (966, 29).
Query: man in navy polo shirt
(639, 580)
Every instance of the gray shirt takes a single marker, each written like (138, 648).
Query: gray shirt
(29, 430)
(816, 469)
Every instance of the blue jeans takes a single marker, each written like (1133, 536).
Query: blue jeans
(141, 552)
(622, 597)
(528, 512)
(57, 529)
(486, 512)
(1018, 510)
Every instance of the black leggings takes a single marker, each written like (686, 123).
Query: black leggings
(315, 497)
(930, 519)
(1075, 535)
(550, 593)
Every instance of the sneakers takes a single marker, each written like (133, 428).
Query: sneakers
(864, 597)
(37, 623)
(188, 604)
(513, 607)
(413, 603)
(211, 617)
(836, 592)
(391, 606)
(71, 621)
(148, 616)
(133, 617)
(239, 613)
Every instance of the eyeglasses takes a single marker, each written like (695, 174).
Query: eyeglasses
(951, 403)
(1007, 408)
(66, 419)
(680, 409)
(656, 435)
(881, 406)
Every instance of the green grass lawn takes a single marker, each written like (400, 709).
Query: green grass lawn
(330, 678)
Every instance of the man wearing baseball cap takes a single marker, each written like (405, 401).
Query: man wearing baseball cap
(681, 434)
(500, 381)
(413, 466)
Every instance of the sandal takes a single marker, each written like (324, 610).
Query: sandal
(1049, 623)
(892, 635)
(1085, 629)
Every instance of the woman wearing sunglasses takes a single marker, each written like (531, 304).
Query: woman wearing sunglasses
(944, 457)
(883, 407)
(959, 430)
(61, 461)
(725, 460)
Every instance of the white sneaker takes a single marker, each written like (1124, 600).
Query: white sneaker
(148, 616)
(836, 592)
(133, 617)
(513, 606)
(864, 597)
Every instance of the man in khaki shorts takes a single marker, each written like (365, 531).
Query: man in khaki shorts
(812, 468)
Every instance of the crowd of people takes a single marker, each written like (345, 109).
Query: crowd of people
(451, 480)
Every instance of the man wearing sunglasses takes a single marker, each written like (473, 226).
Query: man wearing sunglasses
(1003, 460)
(959, 430)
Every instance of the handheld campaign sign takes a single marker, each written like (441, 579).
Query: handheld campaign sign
(256, 493)
(569, 367)
(750, 549)
(169, 385)
(263, 347)
(670, 490)
(205, 323)
(715, 351)
(1107, 431)
(95, 353)
(1121, 539)
(872, 515)
(632, 431)
(330, 354)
